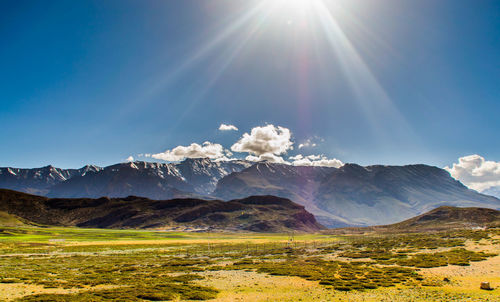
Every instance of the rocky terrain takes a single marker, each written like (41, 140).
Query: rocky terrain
(255, 213)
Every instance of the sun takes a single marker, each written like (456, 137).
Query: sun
(296, 7)
(299, 5)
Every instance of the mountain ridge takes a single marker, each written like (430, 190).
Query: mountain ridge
(254, 213)
(189, 178)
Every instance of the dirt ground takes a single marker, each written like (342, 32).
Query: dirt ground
(463, 286)
(241, 285)
(251, 286)
(12, 291)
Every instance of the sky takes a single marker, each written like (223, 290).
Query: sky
(314, 81)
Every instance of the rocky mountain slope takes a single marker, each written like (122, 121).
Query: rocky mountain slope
(39, 180)
(152, 180)
(255, 213)
(493, 191)
(190, 178)
(203, 174)
(356, 195)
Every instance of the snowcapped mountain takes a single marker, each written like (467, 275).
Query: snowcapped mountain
(204, 174)
(39, 180)
(190, 178)
(153, 180)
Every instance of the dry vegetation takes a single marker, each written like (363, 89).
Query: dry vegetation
(445, 266)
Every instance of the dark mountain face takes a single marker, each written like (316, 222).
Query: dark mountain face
(356, 195)
(255, 213)
(295, 183)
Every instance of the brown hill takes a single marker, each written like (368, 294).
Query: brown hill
(446, 217)
(440, 219)
(255, 213)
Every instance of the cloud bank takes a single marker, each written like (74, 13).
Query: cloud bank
(205, 150)
(307, 144)
(265, 143)
(224, 127)
(476, 172)
(315, 160)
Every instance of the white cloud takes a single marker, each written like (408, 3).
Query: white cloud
(207, 149)
(476, 172)
(296, 157)
(130, 159)
(307, 144)
(224, 158)
(267, 157)
(315, 157)
(224, 127)
(265, 143)
(315, 160)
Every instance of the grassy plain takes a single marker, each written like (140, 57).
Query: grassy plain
(72, 264)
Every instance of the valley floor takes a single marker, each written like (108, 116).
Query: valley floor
(70, 264)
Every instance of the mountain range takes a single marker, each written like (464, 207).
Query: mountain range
(356, 195)
(351, 195)
(192, 177)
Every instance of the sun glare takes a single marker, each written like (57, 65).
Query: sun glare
(295, 7)
(299, 5)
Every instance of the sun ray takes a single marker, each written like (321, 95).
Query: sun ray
(369, 94)
(224, 60)
(161, 82)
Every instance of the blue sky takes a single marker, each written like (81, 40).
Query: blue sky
(391, 82)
